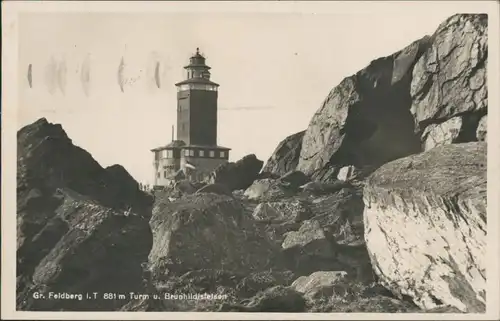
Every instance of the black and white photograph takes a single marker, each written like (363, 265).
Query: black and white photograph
(272, 159)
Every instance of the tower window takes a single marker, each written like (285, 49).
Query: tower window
(186, 152)
(222, 154)
(170, 154)
(202, 153)
(191, 153)
(212, 153)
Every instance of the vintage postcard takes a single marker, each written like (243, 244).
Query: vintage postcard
(250, 160)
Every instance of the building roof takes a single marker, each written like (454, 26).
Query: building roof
(207, 147)
(173, 144)
(181, 145)
(197, 81)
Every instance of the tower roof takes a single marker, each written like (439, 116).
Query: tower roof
(197, 60)
(197, 81)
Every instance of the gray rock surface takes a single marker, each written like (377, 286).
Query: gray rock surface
(449, 79)
(430, 93)
(286, 156)
(216, 189)
(361, 115)
(238, 175)
(294, 179)
(425, 226)
(294, 210)
(267, 190)
(482, 129)
(80, 228)
(318, 283)
(445, 133)
(211, 231)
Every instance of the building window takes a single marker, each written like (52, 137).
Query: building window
(222, 154)
(165, 174)
(164, 153)
(158, 175)
(186, 152)
(170, 154)
(191, 152)
(202, 153)
(212, 153)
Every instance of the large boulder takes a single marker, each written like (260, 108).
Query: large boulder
(309, 249)
(207, 231)
(382, 112)
(238, 175)
(449, 79)
(366, 119)
(285, 157)
(80, 228)
(425, 226)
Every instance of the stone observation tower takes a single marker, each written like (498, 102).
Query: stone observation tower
(194, 154)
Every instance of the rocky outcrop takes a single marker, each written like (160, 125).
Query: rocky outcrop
(207, 230)
(449, 80)
(432, 92)
(268, 190)
(361, 115)
(425, 226)
(80, 228)
(318, 283)
(237, 175)
(285, 157)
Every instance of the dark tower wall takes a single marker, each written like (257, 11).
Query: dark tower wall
(197, 117)
(183, 113)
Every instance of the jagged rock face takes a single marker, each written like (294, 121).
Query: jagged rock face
(207, 231)
(449, 80)
(80, 228)
(361, 115)
(237, 175)
(285, 157)
(384, 111)
(425, 226)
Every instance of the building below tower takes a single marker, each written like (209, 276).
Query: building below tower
(195, 153)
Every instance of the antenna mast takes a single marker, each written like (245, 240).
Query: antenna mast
(172, 132)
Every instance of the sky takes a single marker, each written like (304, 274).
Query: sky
(274, 71)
